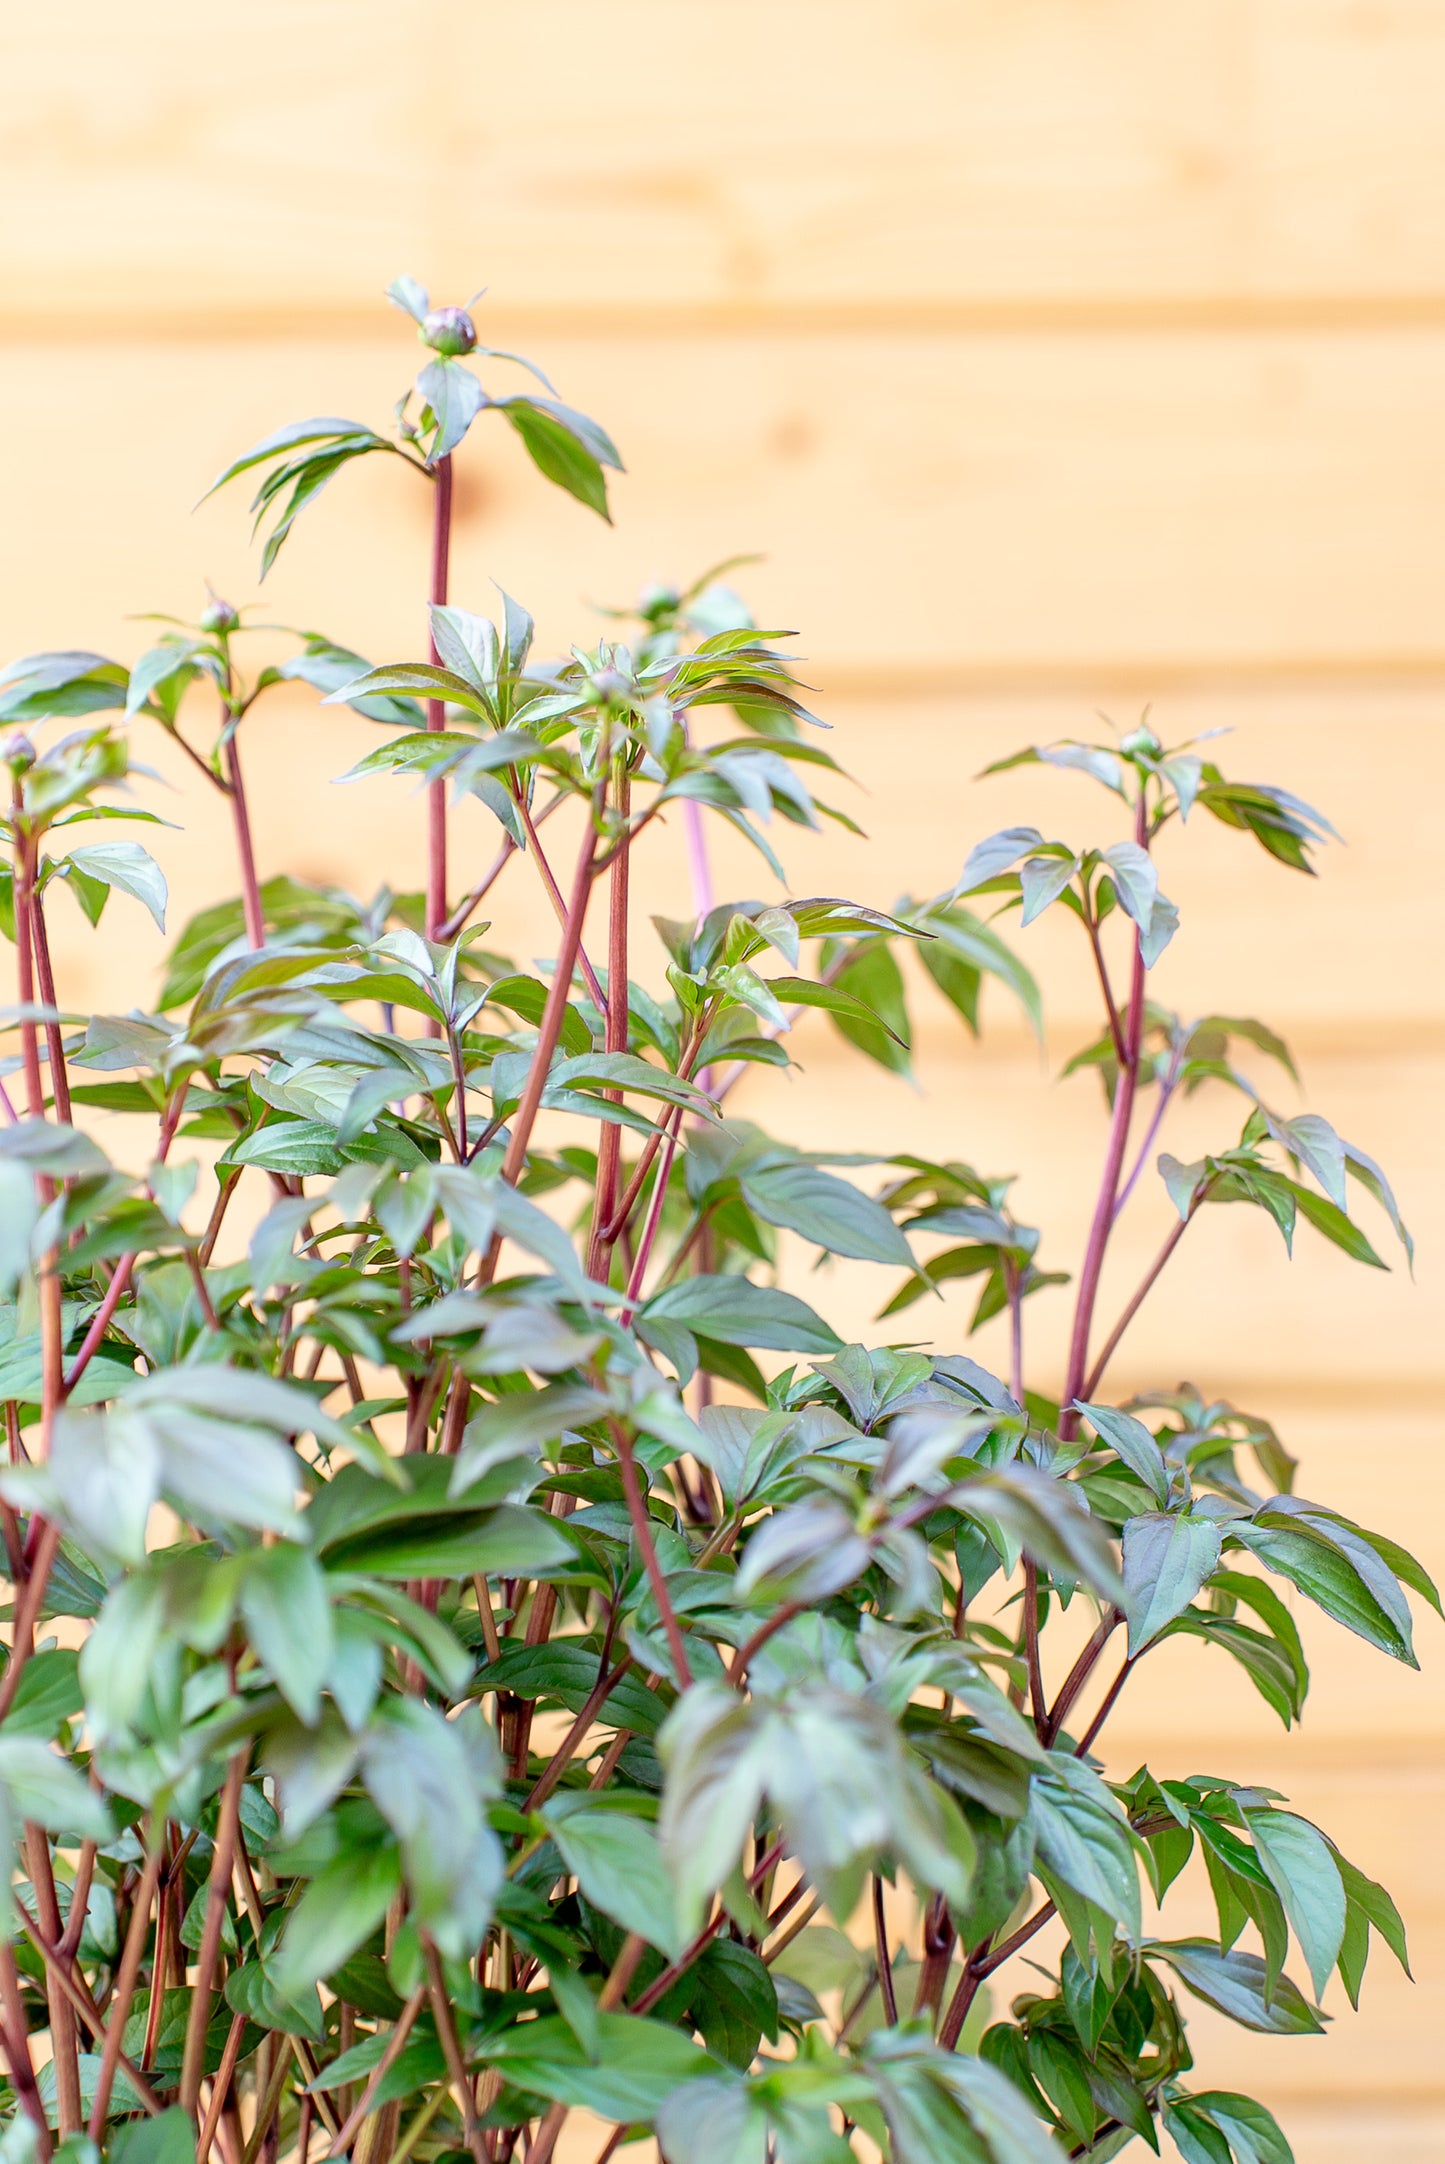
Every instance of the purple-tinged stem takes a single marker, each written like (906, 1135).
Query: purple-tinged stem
(436, 868)
(1118, 1143)
(241, 820)
(699, 868)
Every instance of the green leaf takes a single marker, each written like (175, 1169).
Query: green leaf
(617, 1862)
(566, 1673)
(1197, 2138)
(1166, 1561)
(337, 1913)
(988, 858)
(714, 2121)
(38, 1784)
(47, 1694)
(826, 1210)
(430, 1778)
(1335, 1567)
(1234, 1984)
(1301, 1868)
(873, 977)
(802, 992)
(638, 2064)
(736, 1312)
(287, 1611)
(513, 1540)
(1130, 1440)
(716, 1757)
(455, 398)
(945, 2107)
(292, 438)
(1252, 2132)
(1084, 1840)
(1042, 880)
(566, 447)
(168, 2139)
(1334, 1224)
(63, 684)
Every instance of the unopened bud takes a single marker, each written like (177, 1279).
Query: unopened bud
(655, 602)
(609, 684)
(218, 615)
(19, 753)
(448, 330)
(1140, 739)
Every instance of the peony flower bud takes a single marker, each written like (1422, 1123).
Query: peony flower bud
(448, 330)
(219, 615)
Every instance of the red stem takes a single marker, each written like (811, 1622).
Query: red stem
(241, 820)
(59, 1080)
(885, 1963)
(642, 1531)
(120, 1276)
(654, 1215)
(1111, 1344)
(1038, 1705)
(1079, 1674)
(24, 961)
(51, 1347)
(609, 1148)
(661, 1985)
(554, 892)
(1086, 1742)
(436, 874)
(556, 1007)
(1103, 1222)
(223, 1857)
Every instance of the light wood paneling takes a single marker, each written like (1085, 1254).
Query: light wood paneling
(1072, 509)
(1057, 356)
(287, 155)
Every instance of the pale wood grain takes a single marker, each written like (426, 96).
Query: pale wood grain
(289, 155)
(1096, 504)
(1057, 356)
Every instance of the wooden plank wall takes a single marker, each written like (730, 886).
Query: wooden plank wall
(1058, 355)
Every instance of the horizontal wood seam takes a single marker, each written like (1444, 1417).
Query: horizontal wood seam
(1044, 316)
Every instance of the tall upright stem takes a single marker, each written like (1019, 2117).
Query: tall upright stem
(65, 2043)
(436, 863)
(556, 1007)
(51, 1318)
(223, 1858)
(609, 1148)
(698, 866)
(1118, 1143)
(59, 1080)
(25, 963)
(241, 821)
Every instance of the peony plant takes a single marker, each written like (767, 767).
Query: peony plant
(492, 1674)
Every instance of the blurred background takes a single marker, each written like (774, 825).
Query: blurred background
(1056, 356)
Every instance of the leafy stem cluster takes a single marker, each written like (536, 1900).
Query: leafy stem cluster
(481, 1649)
